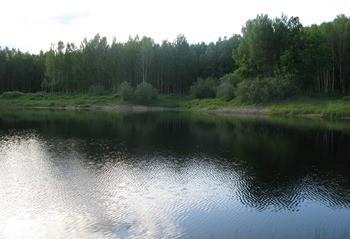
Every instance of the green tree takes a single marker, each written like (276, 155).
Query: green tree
(225, 91)
(256, 54)
(146, 52)
(126, 91)
(202, 89)
(145, 93)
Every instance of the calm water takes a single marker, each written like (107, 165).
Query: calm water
(172, 175)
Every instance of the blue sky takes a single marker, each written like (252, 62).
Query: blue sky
(33, 25)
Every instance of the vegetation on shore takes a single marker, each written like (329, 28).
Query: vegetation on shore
(273, 67)
(320, 107)
(310, 59)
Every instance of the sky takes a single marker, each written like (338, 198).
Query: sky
(34, 25)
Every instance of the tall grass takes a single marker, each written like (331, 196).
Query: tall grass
(322, 107)
(41, 99)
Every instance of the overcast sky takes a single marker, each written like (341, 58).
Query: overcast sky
(33, 25)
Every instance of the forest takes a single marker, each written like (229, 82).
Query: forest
(271, 59)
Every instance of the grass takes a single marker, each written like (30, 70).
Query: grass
(170, 101)
(58, 100)
(329, 107)
(322, 107)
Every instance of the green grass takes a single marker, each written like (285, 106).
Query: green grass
(58, 100)
(323, 107)
(170, 101)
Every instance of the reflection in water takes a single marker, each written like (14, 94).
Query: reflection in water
(152, 175)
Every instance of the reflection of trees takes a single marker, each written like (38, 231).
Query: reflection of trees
(288, 193)
(283, 166)
(280, 165)
(332, 144)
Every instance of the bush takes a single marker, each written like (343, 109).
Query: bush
(203, 89)
(11, 94)
(231, 78)
(126, 91)
(225, 91)
(96, 89)
(145, 93)
(266, 89)
(38, 95)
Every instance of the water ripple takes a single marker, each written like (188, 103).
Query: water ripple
(56, 185)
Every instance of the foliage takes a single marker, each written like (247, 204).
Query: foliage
(225, 91)
(126, 91)
(315, 106)
(230, 78)
(317, 56)
(145, 93)
(20, 71)
(228, 84)
(11, 94)
(266, 89)
(38, 95)
(319, 106)
(171, 100)
(44, 85)
(96, 89)
(269, 46)
(60, 100)
(203, 88)
(171, 67)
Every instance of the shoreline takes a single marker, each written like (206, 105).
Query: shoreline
(298, 107)
(116, 108)
(238, 111)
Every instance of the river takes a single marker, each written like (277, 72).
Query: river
(84, 174)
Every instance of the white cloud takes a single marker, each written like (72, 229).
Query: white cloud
(34, 25)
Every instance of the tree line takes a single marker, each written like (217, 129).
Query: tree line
(171, 67)
(269, 53)
(316, 58)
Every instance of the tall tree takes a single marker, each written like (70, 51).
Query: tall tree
(256, 54)
(146, 52)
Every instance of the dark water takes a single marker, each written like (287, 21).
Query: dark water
(172, 175)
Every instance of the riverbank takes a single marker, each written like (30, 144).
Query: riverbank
(310, 107)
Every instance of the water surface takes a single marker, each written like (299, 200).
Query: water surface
(172, 175)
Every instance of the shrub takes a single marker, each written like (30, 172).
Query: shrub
(125, 90)
(145, 93)
(266, 89)
(38, 95)
(231, 78)
(346, 97)
(203, 88)
(225, 91)
(11, 94)
(96, 89)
